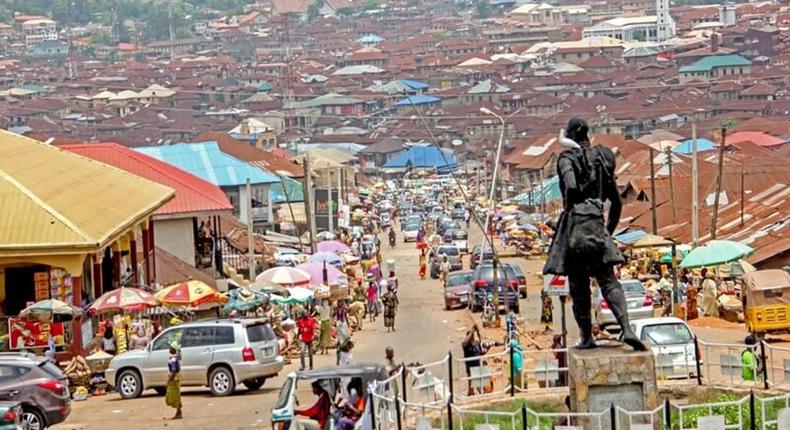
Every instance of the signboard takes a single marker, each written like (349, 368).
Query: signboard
(87, 333)
(33, 334)
(555, 285)
(41, 285)
(322, 210)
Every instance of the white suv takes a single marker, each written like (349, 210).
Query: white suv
(215, 353)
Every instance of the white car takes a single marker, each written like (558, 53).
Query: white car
(410, 232)
(289, 257)
(672, 343)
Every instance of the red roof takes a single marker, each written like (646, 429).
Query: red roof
(193, 194)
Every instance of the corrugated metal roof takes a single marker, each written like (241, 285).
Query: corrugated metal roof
(206, 161)
(55, 202)
(193, 194)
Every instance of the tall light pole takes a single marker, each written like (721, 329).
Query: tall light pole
(491, 194)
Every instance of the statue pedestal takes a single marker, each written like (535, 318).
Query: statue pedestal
(611, 375)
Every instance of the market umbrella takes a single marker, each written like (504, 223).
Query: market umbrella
(124, 299)
(286, 276)
(300, 294)
(189, 294)
(50, 310)
(714, 253)
(316, 270)
(266, 287)
(332, 246)
(328, 257)
(243, 299)
(326, 235)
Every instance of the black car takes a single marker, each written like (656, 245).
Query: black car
(447, 224)
(483, 285)
(458, 214)
(474, 256)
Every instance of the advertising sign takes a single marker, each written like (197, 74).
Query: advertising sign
(33, 334)
(322, 209)
(555, 285)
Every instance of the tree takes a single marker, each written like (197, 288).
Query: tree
(314, 9)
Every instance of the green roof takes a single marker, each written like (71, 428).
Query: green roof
(708, 63)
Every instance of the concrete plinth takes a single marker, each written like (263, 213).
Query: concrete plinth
(610, 375)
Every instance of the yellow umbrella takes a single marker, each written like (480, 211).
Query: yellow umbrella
(190, 294)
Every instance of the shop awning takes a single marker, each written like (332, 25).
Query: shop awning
(56, 202)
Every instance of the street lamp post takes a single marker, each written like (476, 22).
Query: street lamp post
(491, 195)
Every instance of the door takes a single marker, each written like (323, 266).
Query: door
(197, 350)
(155, 372)
(12, 384)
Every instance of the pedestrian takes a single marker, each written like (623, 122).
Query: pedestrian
(473, 350)
(173, 394)
(467, 217)
(444, 269)
(316, 416)
(355, 406)
(389, 361)
(138, 340)
(390, 301)
(392, 281)
(325, 318)
(546, 312)
(373, 290)
(306, 326)
(750, 363)
(692, 311)
(710, 303)
(560, 354)
(423, 264)
(108, 340)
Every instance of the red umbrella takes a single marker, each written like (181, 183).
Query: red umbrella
(124, 299)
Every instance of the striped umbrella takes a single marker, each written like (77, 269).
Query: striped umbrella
(125, 299)
(189, 294)
(286, 276)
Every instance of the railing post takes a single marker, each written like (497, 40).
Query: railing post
(765, 365)
(403, 381)
(397, 413)
(524, 417)
(512, 373)
(752, 411)
(612, 416)
(667, 414)
(697, 355)
(450, 397)
(372, 411)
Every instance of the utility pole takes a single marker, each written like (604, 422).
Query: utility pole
(743, 191)
(671, 185)
(719, 174)
(694, 187)
(250, 234)
(308, 201)
(329, 201)
(653, 192)
(170, 29)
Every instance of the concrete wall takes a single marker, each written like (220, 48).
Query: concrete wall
(176, 237)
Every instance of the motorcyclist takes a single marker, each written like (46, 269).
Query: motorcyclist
(392, 237)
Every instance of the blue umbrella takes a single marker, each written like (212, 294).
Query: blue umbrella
(326, 257)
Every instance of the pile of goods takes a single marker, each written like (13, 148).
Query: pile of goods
(78, 371)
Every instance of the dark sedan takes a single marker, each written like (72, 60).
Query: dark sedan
(457, 289)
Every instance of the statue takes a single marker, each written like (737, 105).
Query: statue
(583, 247)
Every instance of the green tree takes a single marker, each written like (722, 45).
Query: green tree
(314, 9)
(483, 9)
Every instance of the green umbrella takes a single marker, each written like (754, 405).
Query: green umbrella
(714, 253)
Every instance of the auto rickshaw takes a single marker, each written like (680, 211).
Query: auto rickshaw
(332, 380)
(766, 301)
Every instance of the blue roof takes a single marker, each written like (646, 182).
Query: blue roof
(702, 145)
(548, 192)
(630, 237)
(415, 85)
(370, 38)
(424, 157)
(706, 64)
(417, 100)
(206, 161)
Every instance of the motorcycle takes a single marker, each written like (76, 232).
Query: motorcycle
(392, 240)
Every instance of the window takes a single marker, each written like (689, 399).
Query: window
(9, 373)
(223, 336)
(198, 336)
(165, 339)
(260, 333)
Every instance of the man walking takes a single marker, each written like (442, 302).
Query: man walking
(306, 326)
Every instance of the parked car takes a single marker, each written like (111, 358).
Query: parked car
(483, 284)
(453, 255)
(411, 219)
(521, 278)
(447, 224)
(11, 415)
(288, 257)
(410, 232)
(672, 343)
(458, 214)
(457, 238)
(639, 301)
(457, 289)
(215, 353)
(475, 255)
(38, 385)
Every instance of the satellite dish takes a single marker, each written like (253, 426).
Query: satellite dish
(457, 142)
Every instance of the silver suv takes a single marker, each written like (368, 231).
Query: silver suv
(215, 353)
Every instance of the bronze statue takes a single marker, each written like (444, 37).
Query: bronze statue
(583, 247)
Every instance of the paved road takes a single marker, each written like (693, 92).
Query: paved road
(424, 332)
